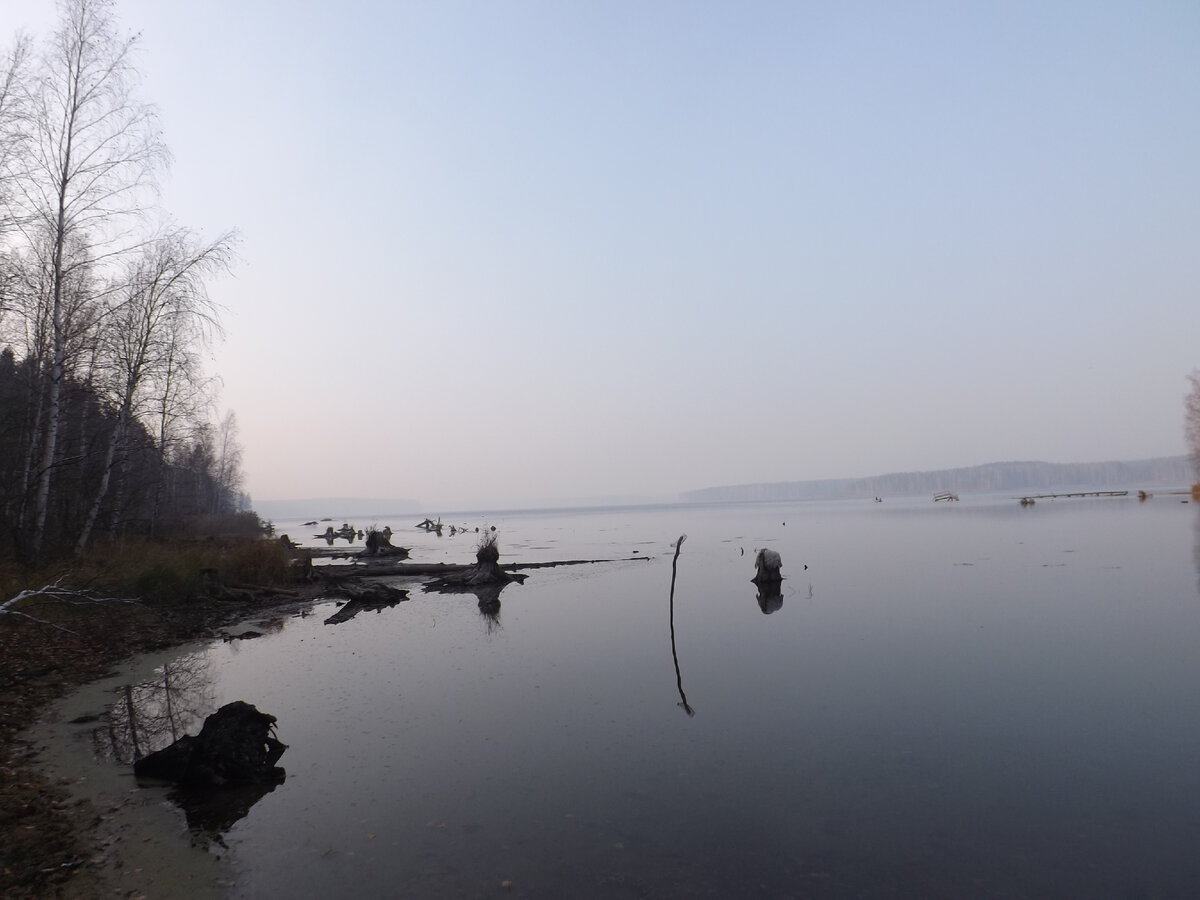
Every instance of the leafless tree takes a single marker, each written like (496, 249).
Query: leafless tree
(13, 68)
(13, 71)
(163, 297)
(93, 151)
(1191, 422)
(229, 465)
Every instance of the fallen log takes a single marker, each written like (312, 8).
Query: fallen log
(383, 568)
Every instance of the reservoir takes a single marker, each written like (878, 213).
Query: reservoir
(954, 699)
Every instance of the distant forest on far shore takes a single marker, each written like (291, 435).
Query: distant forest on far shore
(1000, 476)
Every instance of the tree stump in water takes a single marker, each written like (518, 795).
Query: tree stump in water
(379, 543)
(235, 746)
(486, 571)
(766, 567)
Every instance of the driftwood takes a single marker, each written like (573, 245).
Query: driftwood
(384, 567)
(216, 588)
(363, 598)
(235, 746)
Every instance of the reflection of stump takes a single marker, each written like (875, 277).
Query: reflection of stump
(212, 813)
(770, 597)
(766, 567)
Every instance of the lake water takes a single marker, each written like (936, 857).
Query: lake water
(954, 699)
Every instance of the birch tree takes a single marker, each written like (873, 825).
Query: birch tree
(229, 465)
(13, 70)
(163, 297)
(93, 151)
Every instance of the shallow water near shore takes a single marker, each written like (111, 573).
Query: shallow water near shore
(964, 699)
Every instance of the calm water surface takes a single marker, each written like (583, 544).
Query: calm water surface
(974, 699)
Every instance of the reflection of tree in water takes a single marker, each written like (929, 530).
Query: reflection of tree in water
(1196, 548)
(683, 701)
(488, 596)
(154, 714)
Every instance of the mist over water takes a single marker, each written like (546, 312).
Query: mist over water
(971, 699)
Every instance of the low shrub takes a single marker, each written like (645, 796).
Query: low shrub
(172, 570)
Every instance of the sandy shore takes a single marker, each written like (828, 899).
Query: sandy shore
(144, 847)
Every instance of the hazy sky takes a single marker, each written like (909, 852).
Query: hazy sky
(502, 253)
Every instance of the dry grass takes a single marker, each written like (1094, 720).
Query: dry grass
(488, 550)
(160, 570)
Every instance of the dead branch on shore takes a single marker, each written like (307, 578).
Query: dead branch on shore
(55, 593)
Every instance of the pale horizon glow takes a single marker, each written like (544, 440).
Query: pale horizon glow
(531, 253)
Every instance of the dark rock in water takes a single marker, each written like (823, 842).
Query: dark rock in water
(235, 746)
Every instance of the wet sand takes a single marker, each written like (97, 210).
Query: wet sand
(144, 847)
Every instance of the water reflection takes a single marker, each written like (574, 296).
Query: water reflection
(683, 701)
(1196, 548)
(488, 596)
(489, 605)
(154, 714)
(211, 813)
(347, 533)
(770, 597)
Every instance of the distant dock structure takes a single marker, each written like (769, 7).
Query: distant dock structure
(945, 495)
(1033, 498)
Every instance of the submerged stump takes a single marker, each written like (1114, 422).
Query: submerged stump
(236, 745)
(486, 571)
(379, 544)
(767, 565)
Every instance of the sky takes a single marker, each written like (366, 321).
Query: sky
(500, 254)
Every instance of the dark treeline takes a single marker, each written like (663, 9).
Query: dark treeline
(155, 489)
(105, 416)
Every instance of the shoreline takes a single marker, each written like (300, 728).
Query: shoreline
(142, 846)
(72, 826)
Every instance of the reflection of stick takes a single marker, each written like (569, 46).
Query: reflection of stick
(674, 655)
